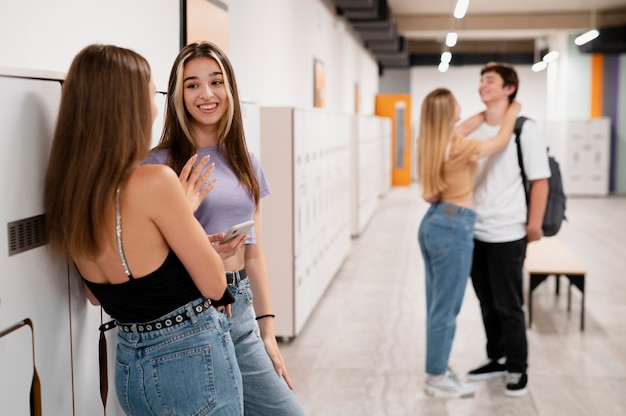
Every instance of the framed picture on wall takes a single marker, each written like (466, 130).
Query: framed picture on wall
(204, 20)
(319, 84)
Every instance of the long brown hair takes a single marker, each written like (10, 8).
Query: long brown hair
(103, 130)
(436, 129)
(177, 138)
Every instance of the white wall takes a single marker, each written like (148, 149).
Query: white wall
(272, 47)
(44, 34)
(463, 81)
(272, 44)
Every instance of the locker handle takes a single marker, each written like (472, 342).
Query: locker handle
(35, 385)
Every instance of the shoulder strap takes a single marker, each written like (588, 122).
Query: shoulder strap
(520, 159)
(118, 232)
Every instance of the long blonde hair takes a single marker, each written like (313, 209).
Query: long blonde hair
(177, 138)
(103, 130)
(436, 129)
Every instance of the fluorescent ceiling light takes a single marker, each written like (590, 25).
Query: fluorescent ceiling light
(446, 57)
(461, 8)
(443, 66)
(586, 37)
(550, 56)
(539, 66)
(451, 39)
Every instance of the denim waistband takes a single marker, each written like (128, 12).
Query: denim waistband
(447, 209)
(173, 318)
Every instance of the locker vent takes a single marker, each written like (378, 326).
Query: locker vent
(26, 234)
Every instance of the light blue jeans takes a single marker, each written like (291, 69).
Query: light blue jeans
(265, 393)
(187, 369)
(446, 238)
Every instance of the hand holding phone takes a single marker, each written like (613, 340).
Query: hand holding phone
(237, 229)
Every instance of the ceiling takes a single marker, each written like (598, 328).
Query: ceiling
(401, 33)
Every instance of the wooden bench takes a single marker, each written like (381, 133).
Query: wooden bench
(549, 257)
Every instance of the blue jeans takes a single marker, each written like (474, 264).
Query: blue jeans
(264, 391)
(446, 241)
(189, 368)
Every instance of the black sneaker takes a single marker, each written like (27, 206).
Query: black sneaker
(493, 368)
(516, 384)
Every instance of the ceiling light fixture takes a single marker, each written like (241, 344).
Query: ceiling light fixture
(550, 56)
(461, 8)
(446, 57)
(587, 37)
(443, 66)
(539, 66)
(591, 34)
(451, 39)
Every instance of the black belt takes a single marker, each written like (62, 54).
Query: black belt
(166, 323)
(231, 277)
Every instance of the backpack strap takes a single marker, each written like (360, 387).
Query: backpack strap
(520, 159)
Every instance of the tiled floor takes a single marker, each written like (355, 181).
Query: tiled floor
(362, 351)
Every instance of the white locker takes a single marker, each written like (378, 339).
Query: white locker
(251, 115)
(371, 157)
(586, 171)
(35, 286)
(306, 219)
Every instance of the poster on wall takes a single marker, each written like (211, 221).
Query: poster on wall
(204, 20)
(319, 84)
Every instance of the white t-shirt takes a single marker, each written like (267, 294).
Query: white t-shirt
(499, 199)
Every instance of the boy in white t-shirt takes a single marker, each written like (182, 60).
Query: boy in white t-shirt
(504, 225)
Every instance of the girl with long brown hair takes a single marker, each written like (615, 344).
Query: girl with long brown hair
(131, 234)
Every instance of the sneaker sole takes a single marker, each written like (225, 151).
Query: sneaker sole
(485, 376)
(446, 395)
(516, 393)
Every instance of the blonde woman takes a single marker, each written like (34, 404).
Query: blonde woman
(204, 119)
(446, 166)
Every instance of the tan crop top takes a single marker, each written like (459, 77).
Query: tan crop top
(459, 170)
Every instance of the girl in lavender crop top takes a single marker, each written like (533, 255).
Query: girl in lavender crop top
(229, 203)
(204, 118)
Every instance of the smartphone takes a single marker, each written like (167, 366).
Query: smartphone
(237, 229)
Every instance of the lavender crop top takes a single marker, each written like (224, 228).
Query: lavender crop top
(229, 203)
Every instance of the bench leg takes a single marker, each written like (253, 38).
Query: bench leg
(569, 297)
(557, 284)
(535, 280)
(579, 282)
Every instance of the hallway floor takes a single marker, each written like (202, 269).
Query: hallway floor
(362, 351)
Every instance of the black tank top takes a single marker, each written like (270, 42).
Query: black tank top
(150, 297)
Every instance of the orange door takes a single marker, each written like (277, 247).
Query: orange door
(398, 108)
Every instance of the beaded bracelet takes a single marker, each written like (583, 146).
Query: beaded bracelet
(269, 315)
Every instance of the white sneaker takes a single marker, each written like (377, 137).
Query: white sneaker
(448, 385)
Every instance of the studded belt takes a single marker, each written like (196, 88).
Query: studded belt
(231, 277)
(166, 323)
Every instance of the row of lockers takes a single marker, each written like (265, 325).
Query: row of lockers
(319, 200)
(49, 336)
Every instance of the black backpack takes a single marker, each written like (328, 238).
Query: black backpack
(555, 207)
